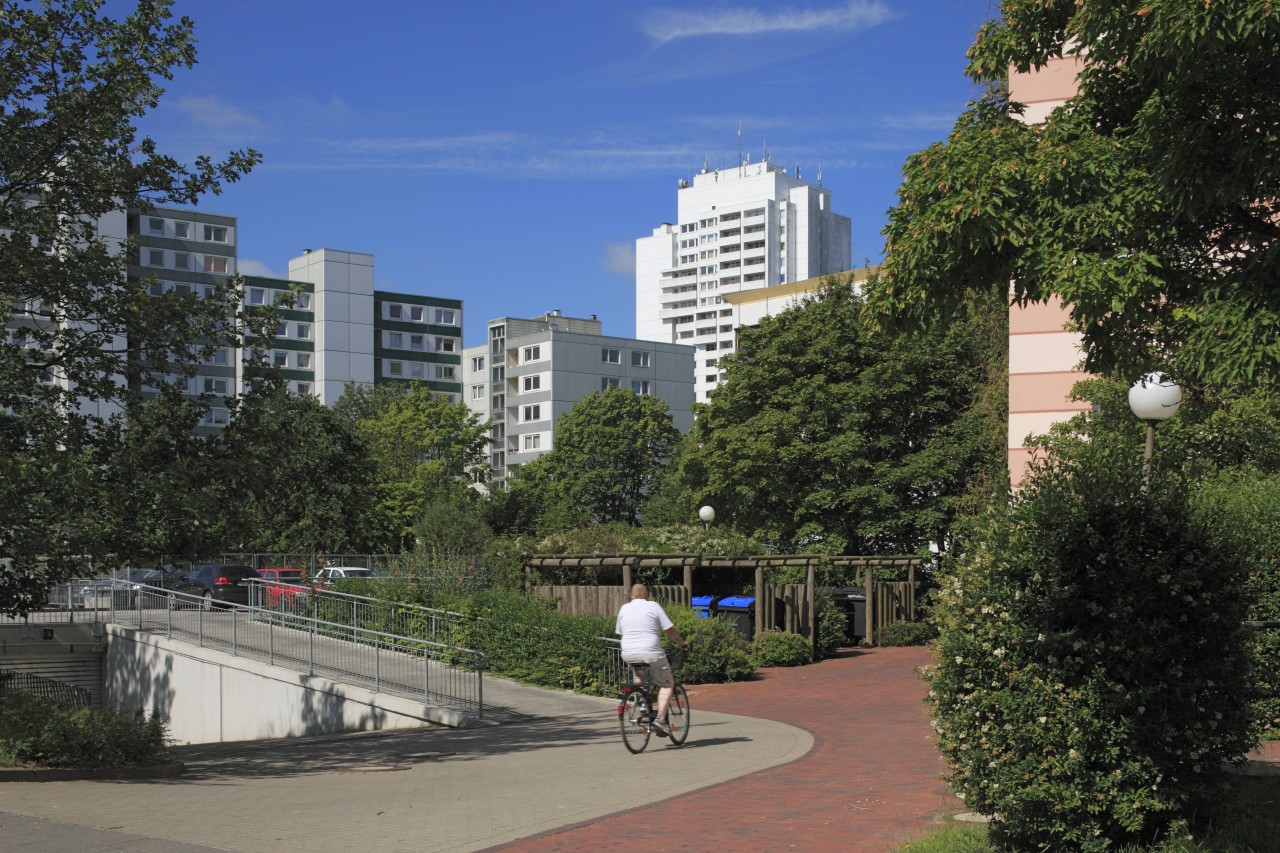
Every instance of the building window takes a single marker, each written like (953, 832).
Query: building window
(395, 368)
(215, 263)
(611, 356)
(477, 364)
(725, 345)
(532, 383)
(416, 342)
(216, 417)
(533, 442)
(181, 289)
(183, 384)
(726, 328)
(304, 361)
(156, 288)
(395, 340)
(712, 379)
(532, 413)
(257, 296)
(155, 257)
(302, 301)
(304, 331)
(445, 317)
(640, 386)
(215, 234)
(711, 362)
(182, 229)
(210, 291)
(280, 359)
(304, 389)
(477, 392)
(181, 261)
(445, 344)
(639, 359)
(446, 371)
(607, 382)
(215, 386)
(532, 354)
(416, 370)
(394, 312)
(155, 226)
(219, 356)
(498, 374)
(415, 313)
(498, 401)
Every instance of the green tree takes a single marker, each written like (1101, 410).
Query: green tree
(828, 434)
(72, 163)
(424, 447)
(294, 476)
(1148, 204)
(610, 453)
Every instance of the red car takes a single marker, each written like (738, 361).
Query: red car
(283, 585)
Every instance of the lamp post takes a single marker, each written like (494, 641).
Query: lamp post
(1153, 398)
(708, 515)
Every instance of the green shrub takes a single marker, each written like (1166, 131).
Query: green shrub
(1092, 678)
(719, 653)
(906, 634)
(37, 731)
(833, 625)
(780, 648)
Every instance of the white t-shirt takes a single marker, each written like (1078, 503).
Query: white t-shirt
(640, 624)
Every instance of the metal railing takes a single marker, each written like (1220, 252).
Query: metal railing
(67, 696)
(384, 661)
(357, 612)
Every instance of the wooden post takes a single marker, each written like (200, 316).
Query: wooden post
(688, 581)
(911, 591)
(528, 579)
(810, 593)
(868, 636)
(759, 598)
(626, 579)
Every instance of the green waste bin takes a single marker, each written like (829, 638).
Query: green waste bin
(737, 609)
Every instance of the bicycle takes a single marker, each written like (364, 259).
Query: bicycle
(637, 705)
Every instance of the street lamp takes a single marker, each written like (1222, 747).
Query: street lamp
(1153, 398)
(708, 515)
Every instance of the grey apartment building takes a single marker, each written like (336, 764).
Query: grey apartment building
(530, 372)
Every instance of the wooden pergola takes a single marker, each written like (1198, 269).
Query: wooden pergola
(688, 563)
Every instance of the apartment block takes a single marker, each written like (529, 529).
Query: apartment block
(739, 229)
(530, 372)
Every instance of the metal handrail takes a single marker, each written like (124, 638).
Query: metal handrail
(361, 612)
(439, 673)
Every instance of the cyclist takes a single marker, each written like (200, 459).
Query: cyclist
(641, 624)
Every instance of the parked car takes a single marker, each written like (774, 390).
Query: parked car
(123, 585)
(329, 574)
(283, 585)
(215, 582)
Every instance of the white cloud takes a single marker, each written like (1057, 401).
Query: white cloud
(212, 111)
(665, 25)
(620, 258)
(248, 266)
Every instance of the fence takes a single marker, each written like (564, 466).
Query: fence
(439, 673)
(67, 696)
(605, 600)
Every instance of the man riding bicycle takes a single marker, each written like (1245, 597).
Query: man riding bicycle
(641, 624)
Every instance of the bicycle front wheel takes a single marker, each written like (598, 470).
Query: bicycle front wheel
(678, 715)
(633, 718)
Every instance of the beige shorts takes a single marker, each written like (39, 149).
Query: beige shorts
(659, 669)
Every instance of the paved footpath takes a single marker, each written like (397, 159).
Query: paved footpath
(871, 782)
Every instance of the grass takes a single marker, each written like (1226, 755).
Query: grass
(1250, 824)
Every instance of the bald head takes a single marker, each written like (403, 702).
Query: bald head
(639, 590)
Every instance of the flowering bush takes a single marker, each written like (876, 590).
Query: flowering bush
(1091, 676)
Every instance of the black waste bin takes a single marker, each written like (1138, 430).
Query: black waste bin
(737, 609)
(853, 601)
(703, 605)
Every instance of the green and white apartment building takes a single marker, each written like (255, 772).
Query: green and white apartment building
(339, 329)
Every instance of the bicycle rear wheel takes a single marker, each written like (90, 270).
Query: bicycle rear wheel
(678, 715)
(633, 718)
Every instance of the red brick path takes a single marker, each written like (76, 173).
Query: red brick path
(870, 783)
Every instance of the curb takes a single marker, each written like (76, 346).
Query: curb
(82, 774)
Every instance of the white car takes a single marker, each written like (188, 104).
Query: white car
(329, 574)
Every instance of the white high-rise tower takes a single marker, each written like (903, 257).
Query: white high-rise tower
(737, 229)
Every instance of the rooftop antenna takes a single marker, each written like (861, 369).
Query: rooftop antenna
(739, 146)
(819, 174)
(766, 150)
(797, 171)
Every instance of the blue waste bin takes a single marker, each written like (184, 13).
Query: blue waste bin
(737, 609)
(703, 605)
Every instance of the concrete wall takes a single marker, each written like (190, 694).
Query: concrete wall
(211, 697)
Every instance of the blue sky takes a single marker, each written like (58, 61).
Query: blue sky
(509, 153)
